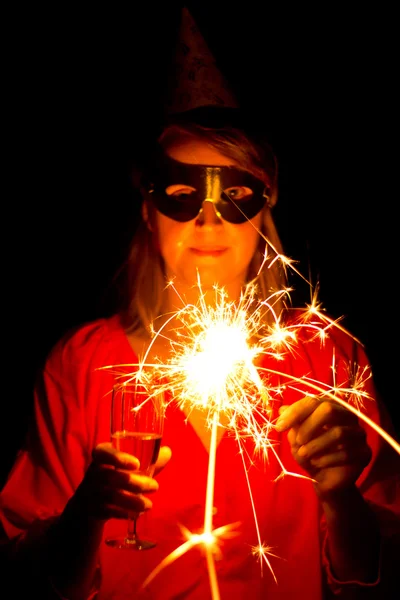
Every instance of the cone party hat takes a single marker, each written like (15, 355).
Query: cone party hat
(195, 79)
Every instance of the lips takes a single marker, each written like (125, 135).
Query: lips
(209, 250)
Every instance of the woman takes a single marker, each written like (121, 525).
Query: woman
(208, 188)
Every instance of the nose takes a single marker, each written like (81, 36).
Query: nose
(208, 214)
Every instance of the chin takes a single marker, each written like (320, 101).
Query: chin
(208, 278)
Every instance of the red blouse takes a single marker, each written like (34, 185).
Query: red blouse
(72, 407)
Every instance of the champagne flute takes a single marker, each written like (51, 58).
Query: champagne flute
(137, 421)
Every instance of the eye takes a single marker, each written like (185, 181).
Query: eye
(179, 189)
(238, 193)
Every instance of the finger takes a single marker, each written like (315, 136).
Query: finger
(130, 482)
(334, 459)
(109, 511)
(325, 414)
(332, 439)
(105, 453)
(291, 436)
(125, 500)
(163, 458)
(105, 512)
(341, 457)
(296, 413)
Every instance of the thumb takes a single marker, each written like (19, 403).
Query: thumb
(163, 458)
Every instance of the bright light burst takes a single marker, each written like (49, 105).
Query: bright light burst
(213, 365)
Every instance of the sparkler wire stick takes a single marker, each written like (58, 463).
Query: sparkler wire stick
(209, 507)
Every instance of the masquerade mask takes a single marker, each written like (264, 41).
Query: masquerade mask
(237, 195)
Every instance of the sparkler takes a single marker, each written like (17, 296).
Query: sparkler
(225, 341)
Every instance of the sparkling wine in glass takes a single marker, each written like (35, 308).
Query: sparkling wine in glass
(137, 421)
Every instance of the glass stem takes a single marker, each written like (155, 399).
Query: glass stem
(131, 534)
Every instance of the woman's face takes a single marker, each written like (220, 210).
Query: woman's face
(207, 246)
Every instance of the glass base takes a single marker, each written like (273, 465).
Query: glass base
(130, 544)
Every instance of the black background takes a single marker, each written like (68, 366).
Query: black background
(83, 88)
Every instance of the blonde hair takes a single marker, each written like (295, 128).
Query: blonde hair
(144, 268)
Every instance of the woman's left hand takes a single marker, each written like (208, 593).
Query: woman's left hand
(327, 441)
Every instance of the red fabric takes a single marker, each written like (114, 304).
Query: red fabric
(72, 405)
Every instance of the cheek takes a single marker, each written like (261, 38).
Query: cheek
(171, 236)
(248, 237)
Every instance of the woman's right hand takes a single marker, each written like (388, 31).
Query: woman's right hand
(112, 488)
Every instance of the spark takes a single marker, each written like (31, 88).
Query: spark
(209, 540)
(261, 552)
(213, 366)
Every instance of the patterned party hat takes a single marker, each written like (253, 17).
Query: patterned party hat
(195, 79)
